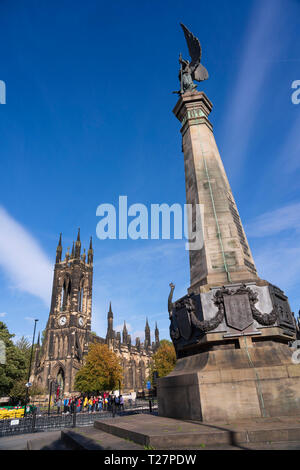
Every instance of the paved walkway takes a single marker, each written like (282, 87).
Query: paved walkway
(19, 442)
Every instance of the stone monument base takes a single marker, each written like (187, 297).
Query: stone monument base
(258, 379)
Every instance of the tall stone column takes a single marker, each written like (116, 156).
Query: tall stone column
(231, 332)
(225, 255)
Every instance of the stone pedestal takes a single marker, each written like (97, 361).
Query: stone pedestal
(258, 379)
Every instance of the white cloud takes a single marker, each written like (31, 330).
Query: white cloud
(277, 258)
(261, 47)
(273, 222)
(23, 260)
(3, 314)
(279, 262)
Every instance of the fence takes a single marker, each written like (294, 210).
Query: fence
(38, 423)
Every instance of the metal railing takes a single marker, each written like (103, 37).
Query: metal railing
(44, 422)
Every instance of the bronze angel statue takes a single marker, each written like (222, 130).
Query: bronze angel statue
(191, 70)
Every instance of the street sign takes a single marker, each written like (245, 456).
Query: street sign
(29, 384)
(148, 385)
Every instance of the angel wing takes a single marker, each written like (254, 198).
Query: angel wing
(199, 72)
(193, 44)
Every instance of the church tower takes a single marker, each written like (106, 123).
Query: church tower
(69, 322)
(147, 335)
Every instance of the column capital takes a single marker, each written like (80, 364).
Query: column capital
(192, 106)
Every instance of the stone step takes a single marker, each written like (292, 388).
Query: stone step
(91, 438)
(166, 433)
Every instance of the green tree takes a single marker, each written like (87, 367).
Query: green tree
(164, 359)
(18, 391)
(43, 336)
(16, 364)
(101, 371)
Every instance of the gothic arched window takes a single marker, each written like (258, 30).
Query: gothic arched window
(65, 294)
(81, 296)
(60, 382)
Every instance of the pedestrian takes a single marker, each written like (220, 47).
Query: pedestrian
(121, 403)
(58, 404)
(97, 404)
(78, 404)
(90, 404)
(85, 404)
(100, 403)
(117, 402)
(109, 402)
(65, 406)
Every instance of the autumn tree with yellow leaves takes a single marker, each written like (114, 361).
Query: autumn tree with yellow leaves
(164, 359)
(101, 371)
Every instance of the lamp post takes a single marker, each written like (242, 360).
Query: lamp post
(29, 370)
(50, 392)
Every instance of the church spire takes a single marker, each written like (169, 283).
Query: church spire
(59, 251)
(110, 323)
(90, 253)
(78, 245)
(37, 353)
(156, 334)
(110, 313)
(125, 333)
(147, 335)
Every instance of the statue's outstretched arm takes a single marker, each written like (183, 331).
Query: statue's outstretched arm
(170, 303)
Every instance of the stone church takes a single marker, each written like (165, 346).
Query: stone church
(68, 332)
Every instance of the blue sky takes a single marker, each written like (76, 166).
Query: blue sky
(89, 117)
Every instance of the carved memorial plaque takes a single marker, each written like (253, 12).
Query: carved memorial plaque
(280, 301)
(238, 311)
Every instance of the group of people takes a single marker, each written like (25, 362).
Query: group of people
(90, 404)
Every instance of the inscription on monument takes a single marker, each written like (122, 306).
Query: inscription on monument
(238, 311)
